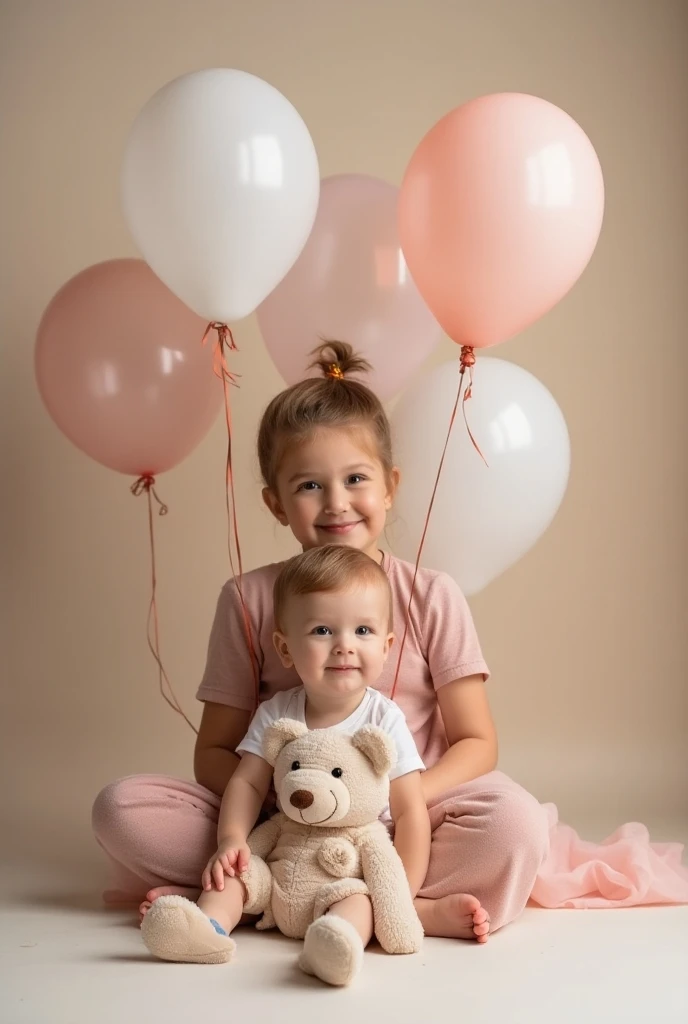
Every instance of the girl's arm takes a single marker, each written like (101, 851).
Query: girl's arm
(411, 827)
(471, 735)
(222, 729)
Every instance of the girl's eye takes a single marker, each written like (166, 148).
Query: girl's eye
(295, 766)
(355, 478)
(337, 772)
(363, 631)
(308, 485)
(322, 631)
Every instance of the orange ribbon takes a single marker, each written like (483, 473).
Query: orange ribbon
(146, 485)
(225, 342)
(466, 363)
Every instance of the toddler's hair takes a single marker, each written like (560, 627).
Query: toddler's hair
(333, 400)
(324, 570)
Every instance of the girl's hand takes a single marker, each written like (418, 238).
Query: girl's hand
(231, 859)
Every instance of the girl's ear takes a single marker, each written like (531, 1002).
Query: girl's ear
(393, 479)
(273, 503)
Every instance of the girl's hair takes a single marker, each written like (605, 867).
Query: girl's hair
(332, 400)
(326, 570)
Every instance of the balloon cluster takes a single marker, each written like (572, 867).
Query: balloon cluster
(498, 214)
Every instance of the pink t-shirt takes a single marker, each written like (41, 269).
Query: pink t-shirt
(441, 645)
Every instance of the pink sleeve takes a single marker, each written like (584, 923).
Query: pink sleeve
(228, 677)
(452, 645)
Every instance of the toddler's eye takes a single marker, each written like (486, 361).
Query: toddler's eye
(337, 772)
(322, 631)
(355, 478)
(295, 766)
(363, 631)
(307, 485)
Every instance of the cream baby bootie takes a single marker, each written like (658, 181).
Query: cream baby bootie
(176, 929)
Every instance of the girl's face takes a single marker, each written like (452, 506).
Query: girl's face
(331, 489)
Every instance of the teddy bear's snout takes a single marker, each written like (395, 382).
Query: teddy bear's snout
(301, 799)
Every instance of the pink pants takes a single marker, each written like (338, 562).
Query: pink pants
(489, 839)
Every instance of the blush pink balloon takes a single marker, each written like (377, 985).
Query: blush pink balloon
(351, 283)
(122, 371)
(500, 210)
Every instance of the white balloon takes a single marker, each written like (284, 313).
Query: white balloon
(220, 187)
(485, 518)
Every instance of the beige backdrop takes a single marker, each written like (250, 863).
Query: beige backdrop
(587, 636)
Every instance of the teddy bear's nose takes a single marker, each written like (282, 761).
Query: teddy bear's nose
(301, 799)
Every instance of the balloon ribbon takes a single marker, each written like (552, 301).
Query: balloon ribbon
(146, 485)
(466, 363)
(225, 343)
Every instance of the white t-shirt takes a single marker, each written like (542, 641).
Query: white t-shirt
(374, 709)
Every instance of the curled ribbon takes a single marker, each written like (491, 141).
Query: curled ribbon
(466, 364)
(146, 485)
(225, 343)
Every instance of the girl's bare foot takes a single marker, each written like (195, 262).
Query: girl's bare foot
(454, 917)
(166, 890)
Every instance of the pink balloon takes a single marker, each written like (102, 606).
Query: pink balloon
(351, 283)
(122, 371)
(500, 210)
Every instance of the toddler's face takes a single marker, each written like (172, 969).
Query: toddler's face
(331, 489)
(338, 642)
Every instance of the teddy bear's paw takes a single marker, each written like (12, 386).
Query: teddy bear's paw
(339, 857)
(266, 922)
(332, 951)
(176, 929)
(305, 965)
(408, 939)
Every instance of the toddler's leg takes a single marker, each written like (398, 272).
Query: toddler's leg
(177, 929)
(489, 839)
(198, 933)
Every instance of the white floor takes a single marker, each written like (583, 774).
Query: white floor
(64, 960)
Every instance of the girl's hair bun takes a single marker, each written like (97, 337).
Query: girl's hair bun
(337, 360)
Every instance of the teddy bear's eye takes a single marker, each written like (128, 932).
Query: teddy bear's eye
(295, 766)
(337, 772)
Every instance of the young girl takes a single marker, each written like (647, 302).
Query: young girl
(333, 618)
(325, 454)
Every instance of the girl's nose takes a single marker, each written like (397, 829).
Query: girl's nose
(337, 502)
(343, 646)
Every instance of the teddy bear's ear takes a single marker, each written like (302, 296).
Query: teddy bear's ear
(377, 746)
(278, 735)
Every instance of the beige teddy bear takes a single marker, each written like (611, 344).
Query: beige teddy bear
(326, 844)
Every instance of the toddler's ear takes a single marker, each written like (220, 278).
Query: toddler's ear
(377, 746)
(278, 735)
(282, 648)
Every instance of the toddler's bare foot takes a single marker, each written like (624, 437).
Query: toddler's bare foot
(454, 917)
(166, 890)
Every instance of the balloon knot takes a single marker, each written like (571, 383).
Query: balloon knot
(146, 485)
(224, 334)
(225, 341)
(467, 358)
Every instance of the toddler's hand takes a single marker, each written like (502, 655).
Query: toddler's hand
(231, 858)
